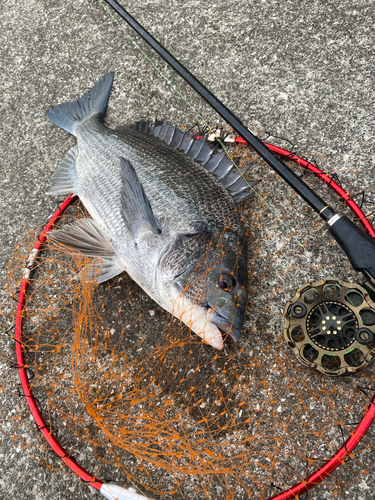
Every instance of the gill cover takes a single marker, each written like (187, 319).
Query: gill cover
(210, 275)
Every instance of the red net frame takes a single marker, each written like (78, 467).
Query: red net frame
(343, 453)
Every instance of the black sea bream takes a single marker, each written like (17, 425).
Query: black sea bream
(163, 209)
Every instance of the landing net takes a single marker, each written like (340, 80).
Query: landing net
(133, 395)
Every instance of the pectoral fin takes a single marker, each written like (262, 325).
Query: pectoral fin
(136, 209)
(87, 237)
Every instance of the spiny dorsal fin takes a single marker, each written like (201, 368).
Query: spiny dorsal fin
(63, 179)
(199, 150)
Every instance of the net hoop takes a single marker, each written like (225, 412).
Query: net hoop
(331, 183)
(340, 456)
(85, 476)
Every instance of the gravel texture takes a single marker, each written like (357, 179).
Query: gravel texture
(301, 69)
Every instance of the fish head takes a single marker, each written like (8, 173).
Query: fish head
(226, 288)
(209, 287)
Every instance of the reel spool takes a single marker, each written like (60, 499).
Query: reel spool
(330, 326)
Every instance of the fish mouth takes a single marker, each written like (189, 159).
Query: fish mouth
(206, 322)
(224, 326)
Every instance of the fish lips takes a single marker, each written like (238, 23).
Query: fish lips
(225, 326)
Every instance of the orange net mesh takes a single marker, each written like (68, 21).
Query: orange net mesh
(135, 396)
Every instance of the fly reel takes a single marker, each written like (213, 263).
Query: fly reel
(330, 325)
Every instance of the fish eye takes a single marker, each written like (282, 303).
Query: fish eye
(227, 282)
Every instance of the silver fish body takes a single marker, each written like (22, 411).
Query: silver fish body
(156, 214)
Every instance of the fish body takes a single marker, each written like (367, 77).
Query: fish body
(156, 214)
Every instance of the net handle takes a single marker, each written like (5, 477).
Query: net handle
(91, 480)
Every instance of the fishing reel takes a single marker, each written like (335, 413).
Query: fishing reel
(330, 326)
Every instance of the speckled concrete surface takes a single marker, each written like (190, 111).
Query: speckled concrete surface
(302, 69)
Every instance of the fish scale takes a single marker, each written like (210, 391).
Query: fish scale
(157, 213)
(172, 181)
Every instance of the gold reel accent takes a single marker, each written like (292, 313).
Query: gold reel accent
(330, 326)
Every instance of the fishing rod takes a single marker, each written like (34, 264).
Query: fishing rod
(358, 246)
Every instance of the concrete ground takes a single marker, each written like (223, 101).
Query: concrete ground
(303, 69)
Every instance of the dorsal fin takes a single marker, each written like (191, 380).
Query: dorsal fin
(218, 164)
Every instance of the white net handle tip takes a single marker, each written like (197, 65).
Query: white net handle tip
(113, 491)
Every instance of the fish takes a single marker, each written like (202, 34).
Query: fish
(163, 207)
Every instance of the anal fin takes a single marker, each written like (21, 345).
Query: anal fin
(63, 179)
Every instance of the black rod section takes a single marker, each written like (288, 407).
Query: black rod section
(317, 203)
(358, 246)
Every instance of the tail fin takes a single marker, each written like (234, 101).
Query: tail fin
(94, 102)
